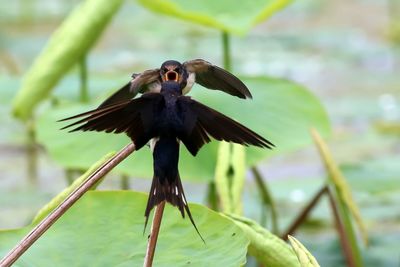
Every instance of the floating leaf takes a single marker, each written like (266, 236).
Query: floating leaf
(281, 111)
(266, 247)
(69, 43)
(374, 176)
(228, 15)
(304, 256)
(49, 207)
(106, 229)
(337, 179)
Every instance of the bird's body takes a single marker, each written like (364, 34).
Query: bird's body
(167, 118)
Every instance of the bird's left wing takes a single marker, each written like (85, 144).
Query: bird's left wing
(202, 122)
(122, 95)
(216, 78)
(134, 117)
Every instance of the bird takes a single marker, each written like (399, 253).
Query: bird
(186, 74)
(167, 118)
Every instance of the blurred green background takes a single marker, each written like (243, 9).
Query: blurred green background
(345, 52)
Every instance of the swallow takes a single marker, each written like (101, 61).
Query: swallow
(186, 74)
(167, 119)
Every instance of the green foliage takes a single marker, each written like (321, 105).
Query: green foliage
(106, 229)
(268, 201)
(341, 186)
(347, 207)
(281, 111)
(229, 177)
(68, 44)
(363, 176)
(266, 247)
(238, 162)
(232, 16)
(221, 179)
(304, 256)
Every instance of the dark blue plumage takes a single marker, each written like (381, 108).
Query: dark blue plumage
(165, 119)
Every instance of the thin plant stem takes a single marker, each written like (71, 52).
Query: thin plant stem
(83, 75)
(50, 219)
(212, 198)
(155, 229)
(266, 198)
(351, 236)
(304, 213)
(346, 246)
(343, 199)
(263, 216)
(31, 152)
(226, 51)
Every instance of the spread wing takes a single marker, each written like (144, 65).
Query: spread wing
(216, 78)
(134, 117)
(201, 122)
(119, 96)
(140, 83)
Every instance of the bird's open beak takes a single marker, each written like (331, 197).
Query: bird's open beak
(171, 76)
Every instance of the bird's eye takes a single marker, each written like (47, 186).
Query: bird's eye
(165, 69)
(178, 69)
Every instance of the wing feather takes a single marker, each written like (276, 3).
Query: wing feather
(201, 122)
(134, 117)
(216, 78)
(140, 83)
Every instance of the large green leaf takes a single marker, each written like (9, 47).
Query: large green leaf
(66, 47)
(281, 111)
(233, 16)
(266, 247)
(106, 229)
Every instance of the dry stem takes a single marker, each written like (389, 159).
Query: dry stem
(155, 229)
(304, 213)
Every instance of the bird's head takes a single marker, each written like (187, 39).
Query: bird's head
(172, 70)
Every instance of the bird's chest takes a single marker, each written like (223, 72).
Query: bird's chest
(170, 119)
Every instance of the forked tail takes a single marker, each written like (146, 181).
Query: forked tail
(172, 192)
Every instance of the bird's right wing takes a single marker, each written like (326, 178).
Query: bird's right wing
(134, 117)
(202, 122)
(142, 82)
